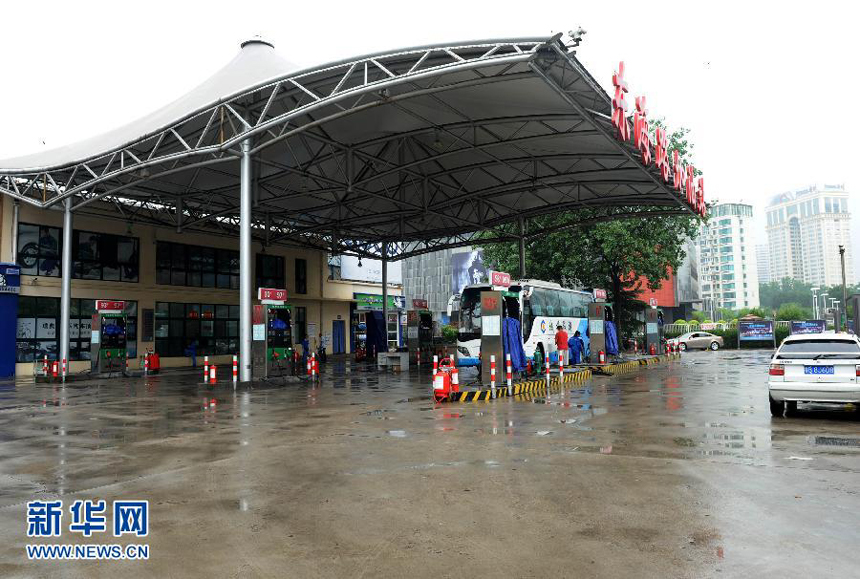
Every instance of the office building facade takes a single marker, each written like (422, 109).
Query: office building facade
(805, 229)
(728, 271)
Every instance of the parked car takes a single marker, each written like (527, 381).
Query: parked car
(700, 340)
(814, 368)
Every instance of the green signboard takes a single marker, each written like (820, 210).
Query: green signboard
(374, 302)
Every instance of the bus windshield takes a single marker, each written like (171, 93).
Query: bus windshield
(470, 313)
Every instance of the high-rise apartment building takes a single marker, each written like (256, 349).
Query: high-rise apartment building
(728, 274)
(805, 229)
(762, 256)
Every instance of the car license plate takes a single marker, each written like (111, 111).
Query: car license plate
(818, 369)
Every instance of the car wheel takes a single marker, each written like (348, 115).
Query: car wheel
(790, 407)
(776, 408)
(715, 346)
(682, 346)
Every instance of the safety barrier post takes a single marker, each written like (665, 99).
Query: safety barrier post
(509, 376)
(435, 364)
(313, 366)
(235, 368)
(205, 368)
(455, 380)
(45, 367)
(418, 358)
(55, 369)
(493, 375)
(308, 364)
(546, 366)
(213, 373)
(126, 361)
(146, 363)
(560, 365)
(64, 370)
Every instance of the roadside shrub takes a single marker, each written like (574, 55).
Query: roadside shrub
(449, 334)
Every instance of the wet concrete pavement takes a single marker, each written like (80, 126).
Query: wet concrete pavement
(675, 470)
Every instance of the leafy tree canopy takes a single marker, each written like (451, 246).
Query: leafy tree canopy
(589, 248)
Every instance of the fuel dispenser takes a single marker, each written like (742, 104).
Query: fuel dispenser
(419, 334)
(596, 330)
(108, 338)
(273, 352)
(653, 331)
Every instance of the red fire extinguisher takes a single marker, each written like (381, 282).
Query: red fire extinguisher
(444, 381)
(653, 350)
(601, 357)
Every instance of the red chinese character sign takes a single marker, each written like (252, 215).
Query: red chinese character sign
(619, 104)
(675, 173)
(640, 131)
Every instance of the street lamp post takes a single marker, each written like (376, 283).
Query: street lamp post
(844, 288)
(824, 308)
(815, 302)
(837, 320)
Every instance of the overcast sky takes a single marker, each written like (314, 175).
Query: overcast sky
(766, 88)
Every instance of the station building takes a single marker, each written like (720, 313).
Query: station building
(180, 287)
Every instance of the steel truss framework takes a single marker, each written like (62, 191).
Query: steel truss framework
(414, 150)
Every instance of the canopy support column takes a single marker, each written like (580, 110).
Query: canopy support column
(66, 283)
(15, 210)
(245, 216)
(522, 248)
(385, 292)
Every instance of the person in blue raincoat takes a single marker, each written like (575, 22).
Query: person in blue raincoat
(577, 347)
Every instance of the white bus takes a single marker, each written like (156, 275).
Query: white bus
(540, 306)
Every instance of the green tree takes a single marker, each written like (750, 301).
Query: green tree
(607, 253)
(793, 311)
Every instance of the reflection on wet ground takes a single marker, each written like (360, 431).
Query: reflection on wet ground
(688, 449)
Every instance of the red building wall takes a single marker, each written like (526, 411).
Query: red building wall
(665, 295)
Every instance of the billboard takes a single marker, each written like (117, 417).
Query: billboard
(467, 268)
(370, 270)
(808, 327)
(759, 330)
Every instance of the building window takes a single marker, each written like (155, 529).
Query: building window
(97, 256)
(211, 328)
(301, 276)
(38, 333)
(270, 271)
(191, 265)
(39, 250)
(105, 257)
(301, 323)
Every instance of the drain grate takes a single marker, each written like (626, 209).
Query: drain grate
(835, 441)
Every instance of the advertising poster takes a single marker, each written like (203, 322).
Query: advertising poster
(467, 268)
(760, 331)
(808, 327)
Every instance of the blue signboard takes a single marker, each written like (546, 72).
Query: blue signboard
(808, 327)
(759, 330)
(10, 286)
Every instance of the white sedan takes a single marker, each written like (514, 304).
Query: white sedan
(814, 368)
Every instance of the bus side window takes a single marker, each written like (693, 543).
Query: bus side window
(537, 303)
(553, 307)
(566, 302)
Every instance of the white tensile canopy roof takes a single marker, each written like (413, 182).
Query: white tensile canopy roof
(414, 150)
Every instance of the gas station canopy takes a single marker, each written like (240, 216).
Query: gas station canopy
(412, 150)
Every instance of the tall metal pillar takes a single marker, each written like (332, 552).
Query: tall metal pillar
(385, 291)
(245, 264)
(15, 209)
(522, 248)
(844, 294)
(66, 284)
